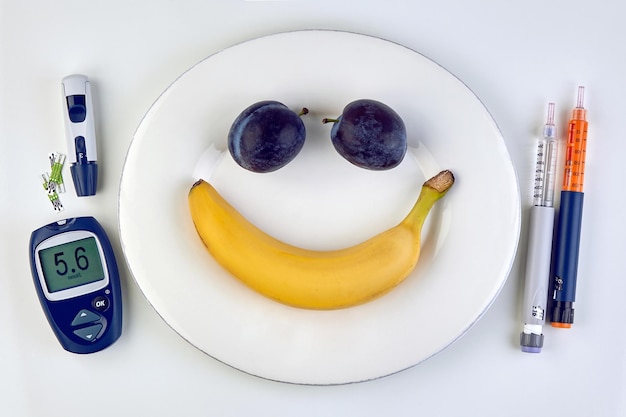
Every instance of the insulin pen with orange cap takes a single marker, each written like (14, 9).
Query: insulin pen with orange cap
(541, 227)
(570, 219)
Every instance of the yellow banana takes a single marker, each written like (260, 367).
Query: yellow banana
(307, 278)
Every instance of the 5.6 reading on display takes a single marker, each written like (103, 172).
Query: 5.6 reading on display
(71, 264)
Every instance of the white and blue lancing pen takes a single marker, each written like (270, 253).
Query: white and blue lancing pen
(81, 134)
(540, 235)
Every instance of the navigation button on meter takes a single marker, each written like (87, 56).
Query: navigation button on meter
(100, 303)
(85, 316)
(89, 333)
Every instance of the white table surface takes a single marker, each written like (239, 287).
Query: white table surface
(515, 56)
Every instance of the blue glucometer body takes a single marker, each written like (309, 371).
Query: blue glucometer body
(77, 281)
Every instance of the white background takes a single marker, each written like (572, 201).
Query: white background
(515, 56)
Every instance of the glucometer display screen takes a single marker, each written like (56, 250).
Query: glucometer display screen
(71, 264)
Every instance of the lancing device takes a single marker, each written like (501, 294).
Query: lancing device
(81, 134)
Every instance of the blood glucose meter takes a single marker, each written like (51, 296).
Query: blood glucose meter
(77, 281)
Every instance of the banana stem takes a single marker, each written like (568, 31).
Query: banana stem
(441, 182)
(432, 190)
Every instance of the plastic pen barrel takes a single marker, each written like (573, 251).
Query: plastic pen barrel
(566, 258)
(537, 273)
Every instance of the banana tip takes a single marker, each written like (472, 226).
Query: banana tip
(195, 184)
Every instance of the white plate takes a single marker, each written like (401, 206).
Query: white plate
(321, 201)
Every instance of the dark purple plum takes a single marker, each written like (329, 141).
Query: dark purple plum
(266, 136)
(370, 135)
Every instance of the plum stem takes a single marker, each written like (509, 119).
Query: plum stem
(328, 120)
(303, 111)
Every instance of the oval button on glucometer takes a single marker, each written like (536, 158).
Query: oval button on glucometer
(100, 303)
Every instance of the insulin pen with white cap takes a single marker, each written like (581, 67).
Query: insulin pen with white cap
(81, 133)
(541, 227)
